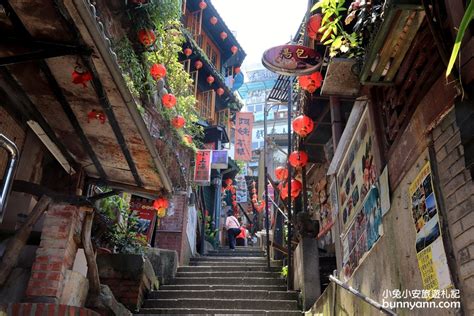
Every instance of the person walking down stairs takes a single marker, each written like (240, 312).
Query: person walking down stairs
(225, 282)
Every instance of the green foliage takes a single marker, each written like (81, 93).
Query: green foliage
(284, 271)
(210, 234)
(467, 18)
(132, 68)
(122, 235)
(340, 41)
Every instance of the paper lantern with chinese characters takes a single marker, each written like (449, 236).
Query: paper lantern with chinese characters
(81, 77)
(188, 51)
(220, 91)
(157, 71)
(178, 121)
(146, 37)
(281, 173)
(303, 125)
(168, 100)
(298, 159)
(234, 49)
(223, 35)
(313, 26)
(202, 5)
(213, 20)
(210, 79)
(198, 64)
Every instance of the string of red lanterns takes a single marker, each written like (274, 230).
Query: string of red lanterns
(303, 125)
(298, 159)
(311, 82)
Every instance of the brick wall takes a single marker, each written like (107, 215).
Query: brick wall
(55, 254)
(457, 189)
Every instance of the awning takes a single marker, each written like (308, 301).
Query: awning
(119, 151)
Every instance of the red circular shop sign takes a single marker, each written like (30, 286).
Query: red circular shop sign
(291, 60)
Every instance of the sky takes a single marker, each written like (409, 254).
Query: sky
(261, 24)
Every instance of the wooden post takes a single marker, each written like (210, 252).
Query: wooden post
(92, 269)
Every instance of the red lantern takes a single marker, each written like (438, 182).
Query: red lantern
(220, 91)
(298, 159)
(228, 182)
(234, 203)
(198, 64)
(311, 82)
(168, 100)
(202, 5)
(223, 35)
(283, 192)
(160, 203)
(188, 51)
(259, 206)
(81, 77)
(254, 190)
(213, 20)
(303, 125)
(281, 173)
(296, 187)
(157, 71)
(146, 37)
(313, 26)
(232, 190)
(236, 70)
(210, 79)
(178, 121)
(234, 49)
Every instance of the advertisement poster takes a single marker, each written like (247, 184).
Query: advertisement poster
(363, 232)
(243, 136)
(326, 197)
(202, 170)
(357, 173)
(429, 244)
(146, 213)
(384, 191)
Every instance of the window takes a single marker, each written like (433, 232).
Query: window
(255, 145)
(206, 105)
(250, 108)
(258, 108)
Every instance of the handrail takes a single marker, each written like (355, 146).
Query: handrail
(7, 180)
(362, 296)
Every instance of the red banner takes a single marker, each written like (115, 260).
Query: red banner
(243, 136)
(202, 170)
(143, 208)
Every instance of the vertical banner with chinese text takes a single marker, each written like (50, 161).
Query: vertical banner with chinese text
(146, 214)
(243, 136)
(202, 170)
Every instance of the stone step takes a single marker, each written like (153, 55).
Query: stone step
(234, 268)
(246, 260)
(230, 304)
(228, 274)
(224, 263)
(205, 311)
(229, 280)
(210, 287)
(234, 254)
(225, 294)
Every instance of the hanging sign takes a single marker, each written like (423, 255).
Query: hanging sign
(202, 171)
(430, 251)
(243, 136)
(291, 60)
(220, 159)
(146, 214)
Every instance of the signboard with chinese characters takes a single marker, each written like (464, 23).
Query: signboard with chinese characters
(146, 214)
(220, 159)
(241, 189)
(243, 136)
(291, 60)
(431, 256)
(202, 170)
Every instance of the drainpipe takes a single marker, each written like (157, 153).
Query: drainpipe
(7, 181)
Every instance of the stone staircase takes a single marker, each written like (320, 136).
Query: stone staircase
(225, 282)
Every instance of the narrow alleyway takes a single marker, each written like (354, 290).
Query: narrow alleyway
(225, 282)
